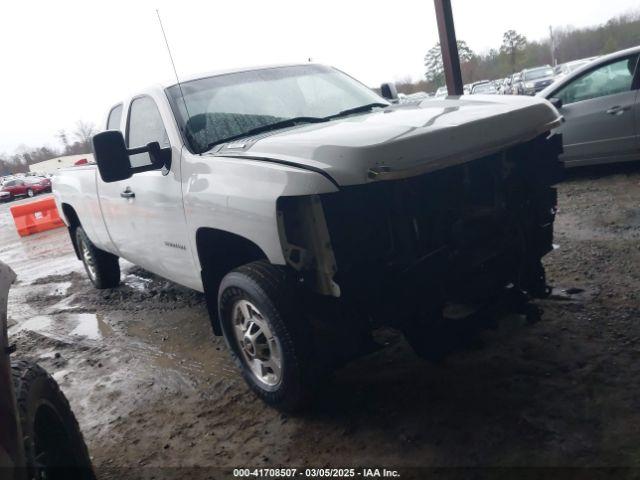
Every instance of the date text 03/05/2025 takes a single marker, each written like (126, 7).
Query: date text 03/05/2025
(315, 473)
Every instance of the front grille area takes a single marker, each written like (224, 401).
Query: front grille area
(483, 216)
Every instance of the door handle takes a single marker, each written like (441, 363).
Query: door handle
(617, 110)
(127, 193)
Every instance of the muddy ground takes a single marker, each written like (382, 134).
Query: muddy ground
(152, 387)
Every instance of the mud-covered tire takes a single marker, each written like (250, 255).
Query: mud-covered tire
(273, 292)
(53, 443)
(102, 267)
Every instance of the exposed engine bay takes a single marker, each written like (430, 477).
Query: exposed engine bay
(458, 235)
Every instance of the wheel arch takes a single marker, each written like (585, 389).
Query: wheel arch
(73, 222)
(219, 252)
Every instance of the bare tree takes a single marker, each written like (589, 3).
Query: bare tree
(84, 131)
(64, 139)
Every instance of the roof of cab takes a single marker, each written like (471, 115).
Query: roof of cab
(215, 73)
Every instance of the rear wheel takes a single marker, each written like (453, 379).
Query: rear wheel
(102, 267)
(53, 443)
(30, 192)
(267, 333)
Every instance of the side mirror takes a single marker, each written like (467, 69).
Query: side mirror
(556, 102)
(388, 91)
(112, 156)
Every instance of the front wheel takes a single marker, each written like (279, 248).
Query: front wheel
(267, 333)
(30, 193)
(102, 267)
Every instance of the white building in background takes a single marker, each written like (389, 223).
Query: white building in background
(50, 166)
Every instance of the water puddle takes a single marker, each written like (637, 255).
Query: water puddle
(65, 326)
(181, 341)
(91, 326)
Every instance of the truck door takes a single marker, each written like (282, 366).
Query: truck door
(144, 214)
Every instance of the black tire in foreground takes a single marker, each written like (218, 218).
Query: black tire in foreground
(102, 267)
(268, 334)
(53, 443)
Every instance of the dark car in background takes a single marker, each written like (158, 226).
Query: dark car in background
(535, 80)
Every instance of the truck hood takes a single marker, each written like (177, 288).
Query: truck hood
(406, 140)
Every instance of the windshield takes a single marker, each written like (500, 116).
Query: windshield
(230, 105)
(484, 88)
(538, 73)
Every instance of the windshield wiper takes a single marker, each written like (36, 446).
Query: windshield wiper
(361, 109)
(290, 122)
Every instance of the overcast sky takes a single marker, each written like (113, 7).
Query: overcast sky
(62, 61)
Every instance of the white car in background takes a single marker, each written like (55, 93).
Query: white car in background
(442, 92)
(484, 87)
(565, 69)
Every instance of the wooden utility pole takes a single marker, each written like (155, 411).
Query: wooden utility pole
(552, 45)
(449, 46)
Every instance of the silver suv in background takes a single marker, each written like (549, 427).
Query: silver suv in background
(536, 79)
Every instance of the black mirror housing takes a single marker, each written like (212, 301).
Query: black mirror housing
(112, 156)
(389, 91)
(556, 102)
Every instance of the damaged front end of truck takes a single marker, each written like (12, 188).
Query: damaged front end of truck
(407, 252)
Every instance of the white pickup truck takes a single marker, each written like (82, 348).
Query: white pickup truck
(311, 211)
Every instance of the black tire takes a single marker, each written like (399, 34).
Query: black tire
(102, 267)
(272, 290)
(54, 447)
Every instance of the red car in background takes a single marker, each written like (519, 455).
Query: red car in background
(29, 186)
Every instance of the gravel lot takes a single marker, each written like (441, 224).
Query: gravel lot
(152, 387)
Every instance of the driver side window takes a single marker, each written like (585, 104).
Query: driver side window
(145, 126)
(609, 79)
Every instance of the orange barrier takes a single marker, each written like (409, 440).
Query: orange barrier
(36, 216)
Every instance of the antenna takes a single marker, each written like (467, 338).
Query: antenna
(174, 66)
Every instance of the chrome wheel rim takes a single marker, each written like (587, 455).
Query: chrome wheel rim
(88, 260)
(30, 193)
(259, 347)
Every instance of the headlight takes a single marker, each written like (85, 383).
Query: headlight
(529, 85)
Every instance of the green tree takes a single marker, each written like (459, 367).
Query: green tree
(512, 44)
(434, 65)
(610, 45)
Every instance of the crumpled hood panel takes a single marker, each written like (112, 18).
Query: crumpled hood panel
(406, 140)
